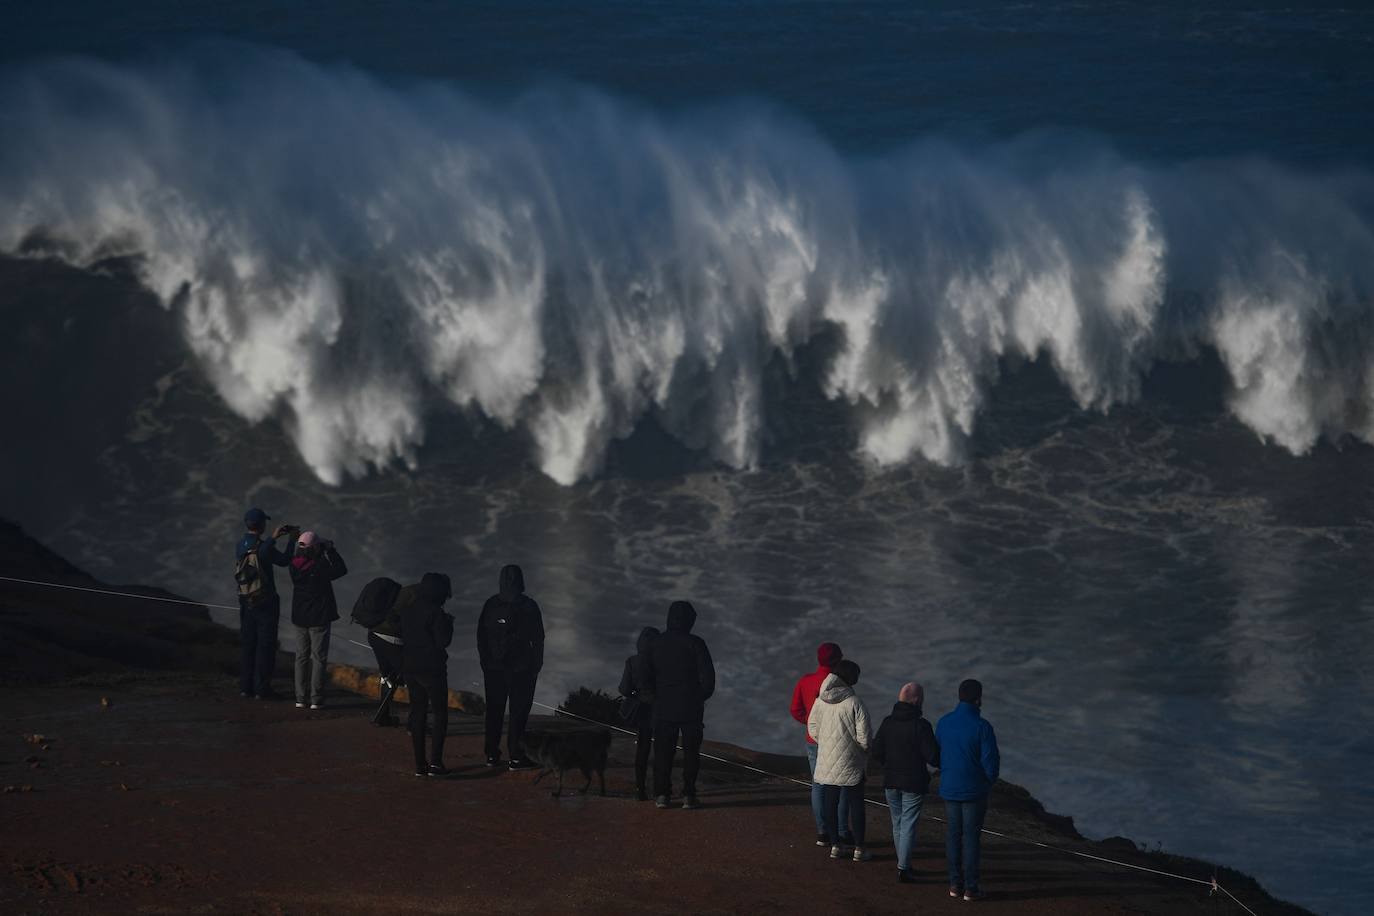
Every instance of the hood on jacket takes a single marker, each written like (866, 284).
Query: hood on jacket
(902, 711)
(646, 639)
(434, 587)
(512, 583)
(681, 616)
(827, 654)
(835, 690)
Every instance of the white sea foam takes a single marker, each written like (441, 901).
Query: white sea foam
(344, 254)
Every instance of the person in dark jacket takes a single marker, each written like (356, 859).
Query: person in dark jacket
(313, 608)
(427, 630)
(637, 707)
(682, 677)
(905, 746)
(510, 647)
(259, 604)
(969, 765)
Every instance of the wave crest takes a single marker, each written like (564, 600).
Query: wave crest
(342, 252)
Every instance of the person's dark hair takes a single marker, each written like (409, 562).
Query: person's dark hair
(846, 671)
(970, 691)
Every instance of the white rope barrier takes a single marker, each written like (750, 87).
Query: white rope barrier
(105, 591)
(557, 710)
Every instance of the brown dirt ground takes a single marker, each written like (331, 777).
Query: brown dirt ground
(180, 797)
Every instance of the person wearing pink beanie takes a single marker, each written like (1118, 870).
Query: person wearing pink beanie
(905, 747)
(313, 611)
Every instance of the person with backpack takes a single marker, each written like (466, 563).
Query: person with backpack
(637, 707)
(510, 647)
(313, 609)
(905, 746)
(840, 727)
(375, 610)
(681, 676)
(426, 631)
(804, 695)
(969, 765)
(259, 603)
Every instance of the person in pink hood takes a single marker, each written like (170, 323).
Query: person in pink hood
(803, 698)
(313, 609)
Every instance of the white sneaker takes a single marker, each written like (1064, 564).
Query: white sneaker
(317, 706)
(300, 705)
(862, 855)
(836, 852)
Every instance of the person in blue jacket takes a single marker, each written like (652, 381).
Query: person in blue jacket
(259, 602)
(969, 764)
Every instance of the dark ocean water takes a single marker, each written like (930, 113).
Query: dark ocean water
(1030, 343)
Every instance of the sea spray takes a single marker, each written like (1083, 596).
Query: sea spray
(344, 253)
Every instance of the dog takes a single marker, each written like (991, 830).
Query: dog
(558, 751)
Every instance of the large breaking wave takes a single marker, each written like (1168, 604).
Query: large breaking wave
(342, 253)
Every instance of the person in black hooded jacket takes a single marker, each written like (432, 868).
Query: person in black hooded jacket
(682, 677)
(426, 631)
(905, 746)
(510, 647)
(637, 709)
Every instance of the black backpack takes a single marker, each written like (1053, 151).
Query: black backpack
(502, 624)
(375, 602)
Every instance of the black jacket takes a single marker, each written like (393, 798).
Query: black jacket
(638, 705)
(905, 746)
(312, 589)
(680, 673)
(510, 629)
(426, 629)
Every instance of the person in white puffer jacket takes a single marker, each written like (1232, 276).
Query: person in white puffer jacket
(840, 727)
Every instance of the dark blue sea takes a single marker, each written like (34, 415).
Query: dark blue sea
(1031, 342)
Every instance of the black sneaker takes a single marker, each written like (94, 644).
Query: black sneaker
(246, 695)
(906, 876)
(690, 803)
(640, 794)
(822, 839)
(437, 770)
(493, 760)
(661, 801)
(421, 772)
(521, 763)
(971, 894)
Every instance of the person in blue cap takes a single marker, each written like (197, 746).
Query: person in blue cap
(259, 603)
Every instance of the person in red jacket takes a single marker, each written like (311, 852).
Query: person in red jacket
(803, 696)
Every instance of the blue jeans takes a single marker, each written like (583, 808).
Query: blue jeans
(818, 802)
(851, 797)
(906, 811)
(963, 840)
(258, 645)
